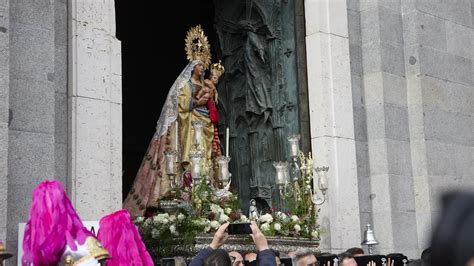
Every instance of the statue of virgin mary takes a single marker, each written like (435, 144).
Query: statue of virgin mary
(174, 130)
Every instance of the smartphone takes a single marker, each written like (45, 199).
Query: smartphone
(286, 261)
(239, 229)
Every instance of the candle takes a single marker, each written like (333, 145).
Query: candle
(294, 145)
(170, 157)
(227, 142)
(176, 136)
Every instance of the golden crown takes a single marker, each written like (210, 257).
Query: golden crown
(197, 46)
(217, 69)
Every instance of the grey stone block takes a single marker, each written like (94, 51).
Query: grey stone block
(375, 122)
(392, 59)
(404, 237)
(457, 10)
(365, 203)
(19, 201)
(31, 52)
(360, 124)
(431, 31)
(460, 40)
(446, 95)
(30, 158)
(464, 161)
(60, 23)
(362, 155)
(32, 105)
(396, 122)
(353, 21)
(60, 68)
(355, 53)
(36, 13)
(399, 157)
(378, 161)
(371, 57)
(357, 91)
(412, 60)
(394, 89)
(402, 196)
(353, 5)
(374, 88)
(391, 29)
(445, 66)
(60, 162)
(4, 97)
(391, 4)
(3, 179)
(370, 25)
(449, 127)
(60, 119)
(440, 158)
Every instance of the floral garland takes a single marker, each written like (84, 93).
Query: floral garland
(207, 212)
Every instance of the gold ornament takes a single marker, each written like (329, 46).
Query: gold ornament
(197, 46)
(217, 69)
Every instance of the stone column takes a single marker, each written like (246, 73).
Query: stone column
(4, 105)
(31, 99)
(95, 118)
(390, 169)
(331, 119)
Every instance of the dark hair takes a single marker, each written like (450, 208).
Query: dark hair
(356, 251)
(345, 255)
(426, 257)
(451, 243)
(218, 257)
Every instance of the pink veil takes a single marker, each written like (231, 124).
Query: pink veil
(53, 223)
(120, 237)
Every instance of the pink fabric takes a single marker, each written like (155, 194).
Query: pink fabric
(120, 237)
(53, 222)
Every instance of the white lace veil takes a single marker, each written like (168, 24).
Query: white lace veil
(169, 113)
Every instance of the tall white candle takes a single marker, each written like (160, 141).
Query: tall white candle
(176, 135)
(227, 142)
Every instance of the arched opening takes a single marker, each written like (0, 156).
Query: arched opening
(151, 41)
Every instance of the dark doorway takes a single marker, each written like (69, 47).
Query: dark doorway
(152, 57)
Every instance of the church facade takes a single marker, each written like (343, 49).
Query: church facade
(390, 87)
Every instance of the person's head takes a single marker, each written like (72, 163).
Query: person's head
(53, 227)
(291, 254)
(356, 251)
(426, 257)
(218, 257)
(117, 230)
(347, 259)
(217, 69)
(214, 79)
(198, 70)
(305, 257)
(250, 256)
(236, 258)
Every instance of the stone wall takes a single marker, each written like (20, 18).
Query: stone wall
(412, 88)
(4, 105)
(331, 119)
(60, 107)
(31, 148)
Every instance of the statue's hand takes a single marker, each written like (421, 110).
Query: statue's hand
(203, 100)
